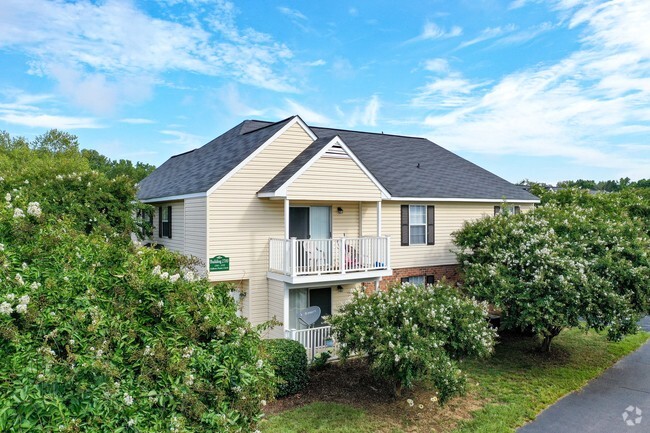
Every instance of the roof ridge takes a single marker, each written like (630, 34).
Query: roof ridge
(267, 126)
(368, 132)
(184, 153)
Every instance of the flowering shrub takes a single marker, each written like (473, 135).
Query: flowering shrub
(415, 333)
(97, 334)
(559, 266)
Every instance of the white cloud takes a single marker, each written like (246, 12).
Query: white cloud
(448, 90)
(292, 13)
(38, 111)
(231, 99)
(319, 62)
(432, 31)
(489, 33)
(363, 112)
(137, 121)
(49, 121)
(577, 108)
(102, 47)
(438, 65)
(524, 35)
(182, 139)
(372, 111)
(308, 115)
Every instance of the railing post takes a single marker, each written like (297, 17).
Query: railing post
(294, 258)
(343, 256)
(387, 249)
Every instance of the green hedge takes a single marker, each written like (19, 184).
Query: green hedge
(289, 361)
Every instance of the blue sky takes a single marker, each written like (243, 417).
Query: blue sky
(545, 90)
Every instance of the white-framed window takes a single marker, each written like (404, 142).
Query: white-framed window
(417, 280)
(508, 209)
(417, 224)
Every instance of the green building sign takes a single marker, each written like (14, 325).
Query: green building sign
(219, 263)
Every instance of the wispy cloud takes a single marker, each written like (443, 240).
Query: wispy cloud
(438, 65)
(36, 111)
(183, 140)
(574, 108)
(319, 62)
(432, 31)
(93, 46)
(49, 121)
(487, 34)
(525, 35)
(231, 99)
(292, 13)
(137, 121)
(309, 115)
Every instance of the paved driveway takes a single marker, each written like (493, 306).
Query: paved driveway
(600, 406)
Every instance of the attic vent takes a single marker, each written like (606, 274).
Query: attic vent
(336, 151)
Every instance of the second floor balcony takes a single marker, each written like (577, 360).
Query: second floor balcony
(299, 261)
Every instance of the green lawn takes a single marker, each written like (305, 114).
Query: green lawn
(507, 390)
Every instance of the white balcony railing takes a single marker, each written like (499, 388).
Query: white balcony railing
(302, 257)
(313, 338)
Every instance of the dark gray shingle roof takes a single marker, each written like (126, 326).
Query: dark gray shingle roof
(200, 169)
(392, 159)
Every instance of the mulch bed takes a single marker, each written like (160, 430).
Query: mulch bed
(351, 383)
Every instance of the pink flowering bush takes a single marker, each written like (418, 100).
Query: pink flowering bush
(561, 265)
(98, 334)
(413, 334)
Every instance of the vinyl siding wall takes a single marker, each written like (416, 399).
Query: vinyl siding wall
(240, 224)
(449, 217)
(333, 179)
(276, 307)
(177, 241)
(195, 228)
(188, 228)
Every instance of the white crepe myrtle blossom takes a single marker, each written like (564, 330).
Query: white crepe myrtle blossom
(34, 209)
(174, 278)
(156, 270)
(18, 213)
(6, 308)
(19, 279)
(128, 400)
(8, 197)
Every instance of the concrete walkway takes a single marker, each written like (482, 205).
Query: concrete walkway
(617, 401)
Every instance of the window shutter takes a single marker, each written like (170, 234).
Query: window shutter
(169, 217)
(431, 279)
(517, 210)
(497, 210)
(405, 225)
(431, 225)
(160, 222)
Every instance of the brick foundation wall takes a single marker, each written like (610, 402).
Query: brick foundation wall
(449, 272)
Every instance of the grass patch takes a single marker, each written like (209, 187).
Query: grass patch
(506, 391)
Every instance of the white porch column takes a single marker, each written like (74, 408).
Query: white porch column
(286, 312)
(286, 218)
(379, 218)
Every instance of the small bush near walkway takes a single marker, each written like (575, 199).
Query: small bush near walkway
(288, 359)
